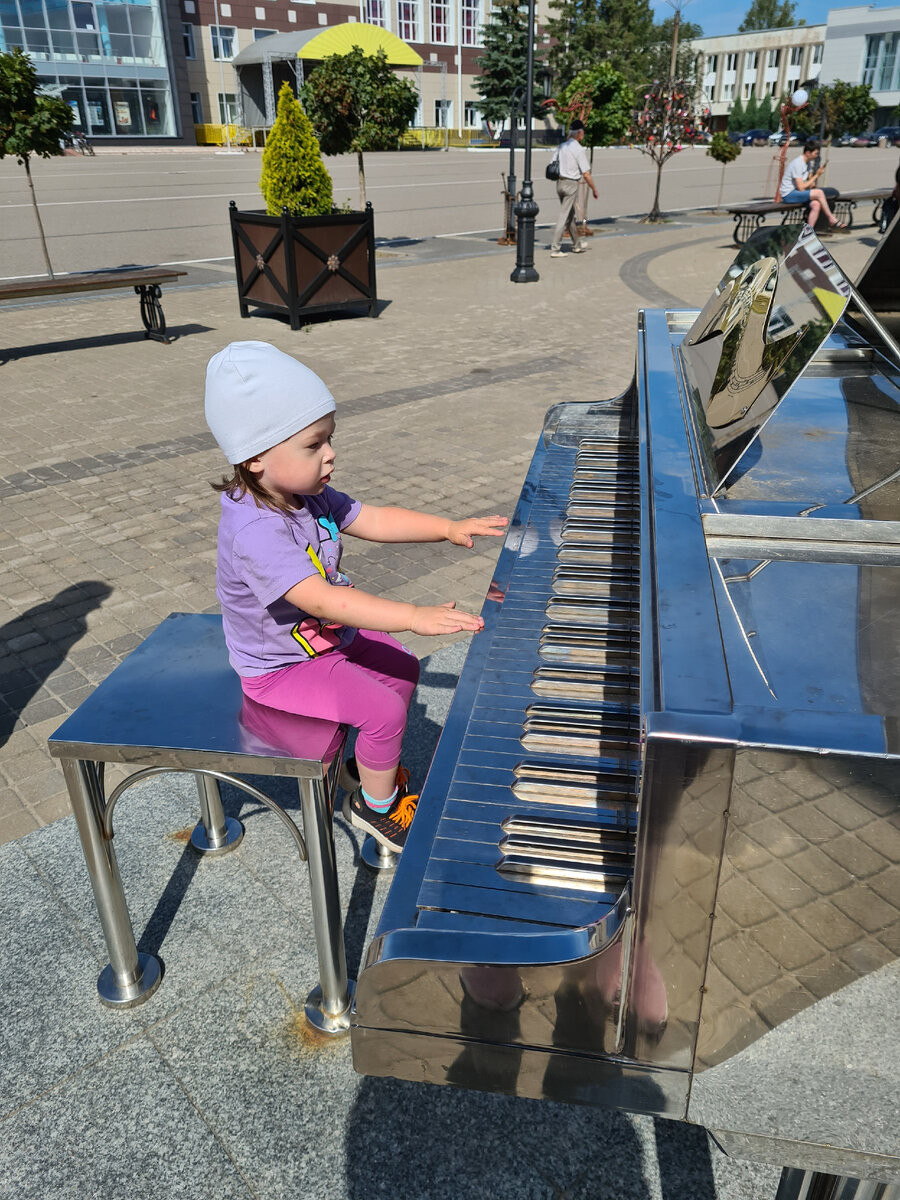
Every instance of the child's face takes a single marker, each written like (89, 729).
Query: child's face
(301, 465)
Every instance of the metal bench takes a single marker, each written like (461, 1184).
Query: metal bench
(175, 705)
(145, 281)
(750, 216)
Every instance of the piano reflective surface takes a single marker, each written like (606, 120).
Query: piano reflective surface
(654, 866)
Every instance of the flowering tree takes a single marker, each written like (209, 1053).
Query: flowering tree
(661, 128)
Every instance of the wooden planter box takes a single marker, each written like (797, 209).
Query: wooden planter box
(300, 266)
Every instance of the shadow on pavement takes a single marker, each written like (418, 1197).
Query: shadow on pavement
(11, 353)
(63, 618)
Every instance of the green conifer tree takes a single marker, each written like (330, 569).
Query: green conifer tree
(765, 116)
(751, 114)
(293, 174)
(737, 121)
(504, 63)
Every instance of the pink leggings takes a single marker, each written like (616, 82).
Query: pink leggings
(369, 684)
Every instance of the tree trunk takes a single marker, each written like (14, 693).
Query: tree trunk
(654, 213)
(721, 187)
(38, 218)
(362, 179)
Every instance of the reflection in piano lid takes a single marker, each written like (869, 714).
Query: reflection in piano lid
(655, 862)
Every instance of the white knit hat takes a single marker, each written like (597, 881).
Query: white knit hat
(256, 396)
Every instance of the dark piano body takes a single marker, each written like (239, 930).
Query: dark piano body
(654, 866)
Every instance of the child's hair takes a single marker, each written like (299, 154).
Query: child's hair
(242, 482)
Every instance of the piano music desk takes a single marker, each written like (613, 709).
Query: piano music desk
(175, 705)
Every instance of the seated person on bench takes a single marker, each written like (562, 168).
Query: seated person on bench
(796, 186)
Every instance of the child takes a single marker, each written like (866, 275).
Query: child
(301, 637)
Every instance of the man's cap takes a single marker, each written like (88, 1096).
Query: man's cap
(256, 396)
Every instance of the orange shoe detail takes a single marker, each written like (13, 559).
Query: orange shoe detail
(405, 810)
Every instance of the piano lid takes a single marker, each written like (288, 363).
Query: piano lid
(758, 332)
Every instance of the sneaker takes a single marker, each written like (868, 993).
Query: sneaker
(579, 249)
(390, 828)
(348, 776)
(557, 254)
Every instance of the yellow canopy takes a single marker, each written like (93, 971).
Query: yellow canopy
(339, 39)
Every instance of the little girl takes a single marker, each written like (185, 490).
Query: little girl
(301, 637)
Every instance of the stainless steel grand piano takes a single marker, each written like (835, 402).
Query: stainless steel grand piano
(655, 863)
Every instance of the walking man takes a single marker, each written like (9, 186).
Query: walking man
(573, 167)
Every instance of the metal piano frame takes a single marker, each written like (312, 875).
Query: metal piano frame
(654, 866)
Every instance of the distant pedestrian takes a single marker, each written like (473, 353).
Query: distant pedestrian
(302, 639)
(573, 168)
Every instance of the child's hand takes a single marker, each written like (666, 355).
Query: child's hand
(434, 620)
(461, 533)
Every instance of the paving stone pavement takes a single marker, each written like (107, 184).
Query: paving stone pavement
(108, 520)
(216, 1087)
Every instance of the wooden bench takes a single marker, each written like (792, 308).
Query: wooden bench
(175, 705)
(750, 216)
(145, 281)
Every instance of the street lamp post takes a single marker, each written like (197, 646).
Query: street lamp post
(527, 210)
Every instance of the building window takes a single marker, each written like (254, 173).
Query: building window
(223, 41)
(880, 70)
(259, 34)
(228, 108)
(727, 91)
(442, 113)
(773, 59)
(796, 56)
(771, 87)
(470, 16)
(751, 60)
(817, 53)
(731, 62)
(471, 115)
(374, 13)
(196, 108)
(711, 64)
(748, 90)
(187, 31)
(440, 21)
(409, 19)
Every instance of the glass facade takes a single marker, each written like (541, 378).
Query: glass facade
(108, 61)
(882, 66)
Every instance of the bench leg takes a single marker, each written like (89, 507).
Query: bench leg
(328, 1005)
(152, 313)
(129, 978)
(214, 833)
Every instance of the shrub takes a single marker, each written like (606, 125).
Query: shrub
(293, 174)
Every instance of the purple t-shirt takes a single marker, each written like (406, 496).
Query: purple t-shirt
(262, 554)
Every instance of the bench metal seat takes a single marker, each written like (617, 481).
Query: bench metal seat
(176, 705)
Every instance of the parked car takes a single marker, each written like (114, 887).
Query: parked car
(890, 133)
(864, 139)
(734, 136)
(780, 137)
(755, 137)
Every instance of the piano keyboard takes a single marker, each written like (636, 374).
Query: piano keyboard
(540, 815)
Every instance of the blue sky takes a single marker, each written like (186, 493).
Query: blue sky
(718, 18)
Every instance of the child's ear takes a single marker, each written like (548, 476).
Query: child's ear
(253, 465)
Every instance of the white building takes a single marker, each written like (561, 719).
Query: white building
(767, 62)
(863, 46)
